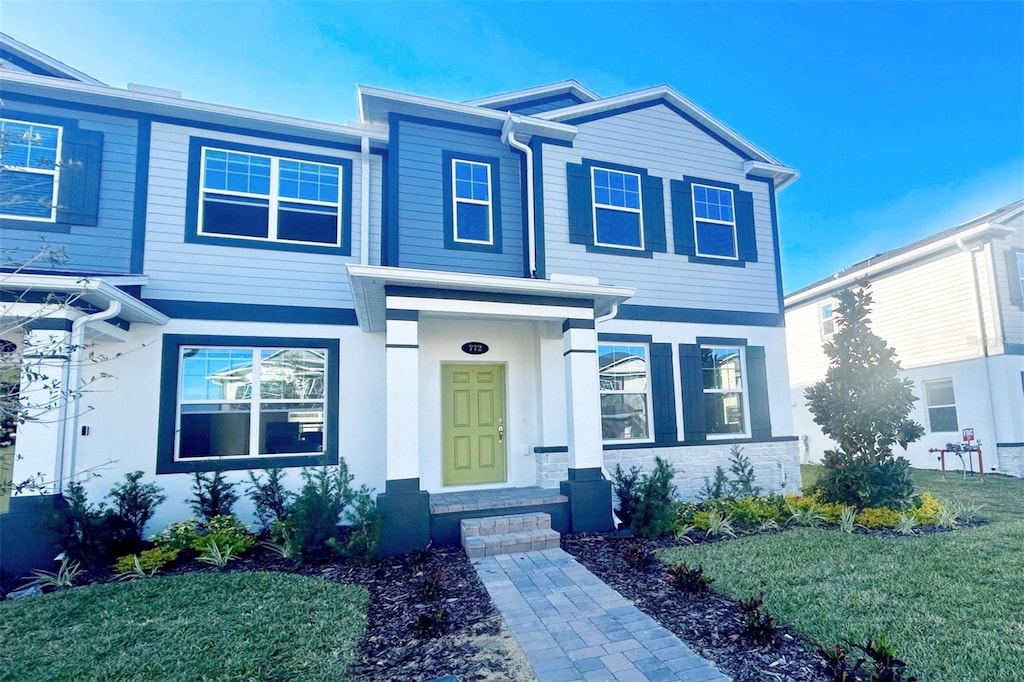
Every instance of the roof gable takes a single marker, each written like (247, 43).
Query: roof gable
(35, 62)
(541, 99)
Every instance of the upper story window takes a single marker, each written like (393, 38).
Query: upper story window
(625, 392)
(29, 158)
(473, 210)
(243, 402)
(941, 406)
(261, 197)
(618, 218)
(828, 319)
(714, 222)
(723, 388)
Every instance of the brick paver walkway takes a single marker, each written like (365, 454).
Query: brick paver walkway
(574, 627)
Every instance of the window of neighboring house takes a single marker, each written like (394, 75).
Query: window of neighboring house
(253, 196)
(941, 403)
(828, 319)
(618, 218)
(1020, 271)
(244, 402)
(714, 222)
(625, 392)
(29, 154)
(722, 375)
(474, 222)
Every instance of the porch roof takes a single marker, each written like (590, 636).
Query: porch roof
(369, 282)
(98, 292)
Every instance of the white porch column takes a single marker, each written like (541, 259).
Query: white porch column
(40, 441)
(403, 395)
(583, 398)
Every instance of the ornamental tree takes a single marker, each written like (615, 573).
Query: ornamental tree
(864, 406)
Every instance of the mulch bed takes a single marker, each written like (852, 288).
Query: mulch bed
(710, 623)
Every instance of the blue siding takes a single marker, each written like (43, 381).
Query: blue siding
(107, 246)
(542, 104)
(421, 224)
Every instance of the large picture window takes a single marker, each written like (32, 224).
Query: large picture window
(261, 197)
(625, 392)
(618, 218)
(941, 406)
(722, 382)
(714, 221)
(29, 156)
(244, 402)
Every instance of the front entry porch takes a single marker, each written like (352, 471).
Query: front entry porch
(447, 510)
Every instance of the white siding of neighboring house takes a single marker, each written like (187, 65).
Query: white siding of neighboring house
(670, 147)
(1011, 315)
(207, 272)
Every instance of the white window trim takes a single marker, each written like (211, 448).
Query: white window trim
(647, 392)
(594, 205)
(743, 391)
(928, 406)
(253, 401)
(456, 200)
(1020, 271)
(730, 223)
(55, 173)
(273, 198)
(822, 319)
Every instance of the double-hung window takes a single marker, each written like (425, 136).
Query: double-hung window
(245, 402)
(827, 315)
(29, 170)
(722, 380)
(473, 209)
(618, 218)
(941, 406)
(625, 392)
(262, 197)
(714, 220)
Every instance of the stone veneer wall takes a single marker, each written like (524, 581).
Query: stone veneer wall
(776, 465)
(1011, 461)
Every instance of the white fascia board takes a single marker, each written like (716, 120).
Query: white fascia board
(844, 279)
(33, 54)
(202, 112)
(376, 103)
(368, 282)
(99, 292)
(570, 86)
(782, 175)
(670, 94)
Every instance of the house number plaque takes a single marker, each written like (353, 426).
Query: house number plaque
(475, 348)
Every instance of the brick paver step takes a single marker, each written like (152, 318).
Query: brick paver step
(477, 546)
(510, 523)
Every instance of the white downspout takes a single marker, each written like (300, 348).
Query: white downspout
(364, 201)
(979, 317)
(509, 138)
(74, 379)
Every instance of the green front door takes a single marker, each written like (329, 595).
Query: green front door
(473, 424)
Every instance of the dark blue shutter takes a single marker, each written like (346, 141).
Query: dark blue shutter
(1013, 274)
(78, 195)
(581, 217)
(757, 384)
(746, 235)
(664, 393)
(654, 215)
(682, 218)
(694, 426)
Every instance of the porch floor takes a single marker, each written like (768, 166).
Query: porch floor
(495, 498)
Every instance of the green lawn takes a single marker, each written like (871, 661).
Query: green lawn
(952, 603)
(211, 626)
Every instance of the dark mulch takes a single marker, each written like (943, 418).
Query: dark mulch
(710, 623)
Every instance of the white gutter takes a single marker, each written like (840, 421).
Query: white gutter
(73, 387)
(364, 201)
(611, 315)
(95, 291)
(844, 279)
(979, 319)
(508, 136)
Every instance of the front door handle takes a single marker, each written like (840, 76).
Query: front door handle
(501, 434)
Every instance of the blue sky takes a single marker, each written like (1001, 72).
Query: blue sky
(904, 118)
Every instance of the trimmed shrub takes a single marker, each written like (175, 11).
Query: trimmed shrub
(212, 496)
(89, 533)
(927, 509)
(136, 503)
(225, 531)
(269, 497)
(180, 535)
(878, 517)
(149, 560)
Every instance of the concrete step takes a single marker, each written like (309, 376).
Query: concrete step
(492, 535)
(508, 543)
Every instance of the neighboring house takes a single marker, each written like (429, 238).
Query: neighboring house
(521, 290)
(952, 305)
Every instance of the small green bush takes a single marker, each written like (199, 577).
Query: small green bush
(269, 497)
(878, 517)
(180, 535)
(212, 495)
(225, 531)
(654, 516)
(365, 520)
(149, 560)
(136, 503)
(89, 533)
(753, 511)
(326, 492)
(865, 483)
(627, 491)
